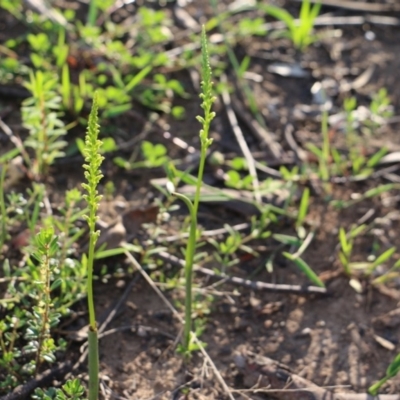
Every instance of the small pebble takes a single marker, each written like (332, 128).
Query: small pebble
(120, 284)
(268, 323)
(370, 36)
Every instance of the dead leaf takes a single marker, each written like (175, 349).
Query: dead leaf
(134, 219)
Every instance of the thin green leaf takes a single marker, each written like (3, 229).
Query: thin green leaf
(394, 367)
(357, 231)
(281, 14)
(378, 190)
(345, 245)
(305, 268)
(383, 257)
(286, 239)
(315, 150)
(303, 208)
(373, 161)
(138, 78)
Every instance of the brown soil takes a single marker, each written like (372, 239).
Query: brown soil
(343, 339)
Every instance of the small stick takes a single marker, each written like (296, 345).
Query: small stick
(210, 233)
(241, 140)
(301, 155)
(282, 384)
(255, 285)
(41, 380)
(258, 131)
(16, 141)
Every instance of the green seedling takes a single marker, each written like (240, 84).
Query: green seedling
(331, 162)
(41, 116)
(3, 228)
(61, 49)
(360, 164)
(40, 46)
(233, 179)
(37, 282)
(305, 268)
(386, 255)
(290, 175)
(302, 213)
(225, 253)
(13, 7)
(71, 390)
(349, 105)
(260, 224)
(392, 370)
(110, 68)
(155, 155)
(346, 241)
(369, 267)
(392, 273)
(301, 245)
(251, 27)
(299, 31)
(380, 110)
(324, 154)
(93, 175)
(296, 257)
(43, 317)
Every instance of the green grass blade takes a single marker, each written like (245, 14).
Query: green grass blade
(345, 245)
(357, 231)
(305, 268)
(382, 258)
(377, 157)
(315, 12)
(303, 208)
(286, 239)
(379, 190)
(138, 78)
(281, 14)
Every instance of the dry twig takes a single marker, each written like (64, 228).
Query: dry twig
(241, 140)
(255, 285)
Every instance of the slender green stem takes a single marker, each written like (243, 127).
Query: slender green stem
(3, 207)
(93, 175)
(373, 390)
(203, 155)
(93, 364)
(324, 162)
(90, 294)
(205, 121)
(45, 316)
(189, 257)
(92, 14)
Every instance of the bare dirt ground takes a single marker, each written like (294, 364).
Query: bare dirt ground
(344, 340)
